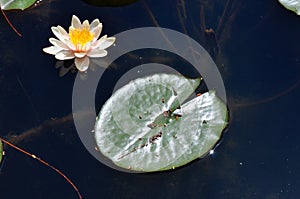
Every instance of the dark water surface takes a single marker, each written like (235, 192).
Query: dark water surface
(259, 59)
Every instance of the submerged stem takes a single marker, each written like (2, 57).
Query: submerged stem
(10, 24)
(45, 163)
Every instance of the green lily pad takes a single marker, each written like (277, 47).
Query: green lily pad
(293, 5)
(110, 3)
(145, 127)
(16, 4)
(1, 151)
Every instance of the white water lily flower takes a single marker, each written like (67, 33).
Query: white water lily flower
(80, 43)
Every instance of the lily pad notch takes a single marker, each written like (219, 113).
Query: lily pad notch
(145, 126)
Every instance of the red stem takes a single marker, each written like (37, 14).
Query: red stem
(45, 163)
(9, 23)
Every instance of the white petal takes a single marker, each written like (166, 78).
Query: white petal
(109, 41)
(75, 22)
(80, 54)
(58, 43)
(96, 31)
(97, 43)
(86, 24)
(97, 53)
(52, 50)
(70, 45)
(96, 28)
(82, 64)
(65, 54)
(95, 23)
(87, 46)
(105, 43)
(63, 32)
(56, 31)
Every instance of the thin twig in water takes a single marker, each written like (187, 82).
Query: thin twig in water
(27, 96)
(157, 25)
(225, 13)
(46, 164)
(269, 99)
(230, 20)
(182, 4)
(181, 20)
(202, 21)
(9, 23)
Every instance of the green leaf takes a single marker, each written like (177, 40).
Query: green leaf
(293, 5)
(16, 4)
(1, 151)
(144, 127)
(111, 3)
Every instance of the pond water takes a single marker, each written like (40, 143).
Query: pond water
(257, 54)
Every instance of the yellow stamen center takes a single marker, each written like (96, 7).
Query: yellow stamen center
(80, 36)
